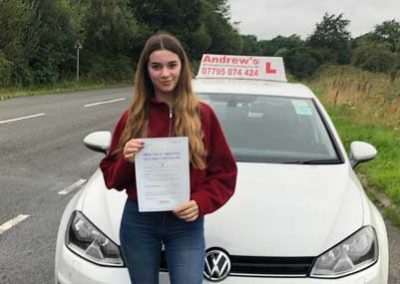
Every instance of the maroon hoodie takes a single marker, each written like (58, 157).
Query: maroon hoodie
(210, 188)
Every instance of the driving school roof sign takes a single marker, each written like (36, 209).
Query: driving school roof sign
(242, 67)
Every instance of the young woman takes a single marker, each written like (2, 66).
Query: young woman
(164, 105)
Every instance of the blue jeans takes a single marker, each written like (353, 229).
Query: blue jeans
(142, 235)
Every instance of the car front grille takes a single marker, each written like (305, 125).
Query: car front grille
(285, 266)
(264, 266)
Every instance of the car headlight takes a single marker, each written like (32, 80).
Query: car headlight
(83, 238)
(353, 254)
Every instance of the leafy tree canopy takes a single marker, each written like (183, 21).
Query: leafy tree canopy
(389, 31)
(331, 33)
(270, 47)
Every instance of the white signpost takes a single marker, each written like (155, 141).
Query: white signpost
(78, 46)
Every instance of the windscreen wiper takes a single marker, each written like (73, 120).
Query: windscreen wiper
(314, 162)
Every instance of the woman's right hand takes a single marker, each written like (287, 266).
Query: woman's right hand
(131, 148)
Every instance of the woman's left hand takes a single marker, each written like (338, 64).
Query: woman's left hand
(188, 211)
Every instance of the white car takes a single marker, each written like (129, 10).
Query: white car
(299, 213)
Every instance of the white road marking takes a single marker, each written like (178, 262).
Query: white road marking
(21, 118)
(105, 102)
(11, 223)
(72, 187)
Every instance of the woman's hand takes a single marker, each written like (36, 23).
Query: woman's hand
(131, 148)
(188, 211)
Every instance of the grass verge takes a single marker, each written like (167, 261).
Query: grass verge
(381, 175)
(63, 87)
(365, 106)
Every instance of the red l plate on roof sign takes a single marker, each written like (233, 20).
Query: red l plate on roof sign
(242, 67)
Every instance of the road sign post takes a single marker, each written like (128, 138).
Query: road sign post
(78, 47)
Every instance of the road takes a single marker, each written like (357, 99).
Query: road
(41, 154)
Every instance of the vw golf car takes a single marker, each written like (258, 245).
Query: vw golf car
(299, 214)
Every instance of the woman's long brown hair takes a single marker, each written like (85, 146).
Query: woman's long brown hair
(186, 108)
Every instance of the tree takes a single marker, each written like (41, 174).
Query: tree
(185, 19)
(110, 27)
(362, 40)
(5, 71)
(225, 39)
(250, 45)
(55, 57)
(19, 36)
(201, 25)
(300, 61)
(221, 7)
(19, 29)
(331, 34)
(110, 32)
(270, 47)
(388, 31)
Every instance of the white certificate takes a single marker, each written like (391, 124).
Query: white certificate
(162, 173)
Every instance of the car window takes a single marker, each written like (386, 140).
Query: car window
(273, 129)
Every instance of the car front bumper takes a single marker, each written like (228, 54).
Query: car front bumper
(72, 269)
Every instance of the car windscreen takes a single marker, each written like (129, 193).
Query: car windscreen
(273, 129)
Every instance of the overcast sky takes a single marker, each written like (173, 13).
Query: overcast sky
(267, 19)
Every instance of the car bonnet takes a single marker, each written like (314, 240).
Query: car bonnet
(287, 210)
(277, 210)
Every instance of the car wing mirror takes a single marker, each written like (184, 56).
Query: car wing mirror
(98, 141)
(361, 152)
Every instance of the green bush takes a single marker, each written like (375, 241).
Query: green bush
(24, 76)
(300, 61)
(52, 64)
(111, 69)
(375, 58)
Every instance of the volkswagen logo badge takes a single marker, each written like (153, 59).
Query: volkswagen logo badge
(218, 265)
